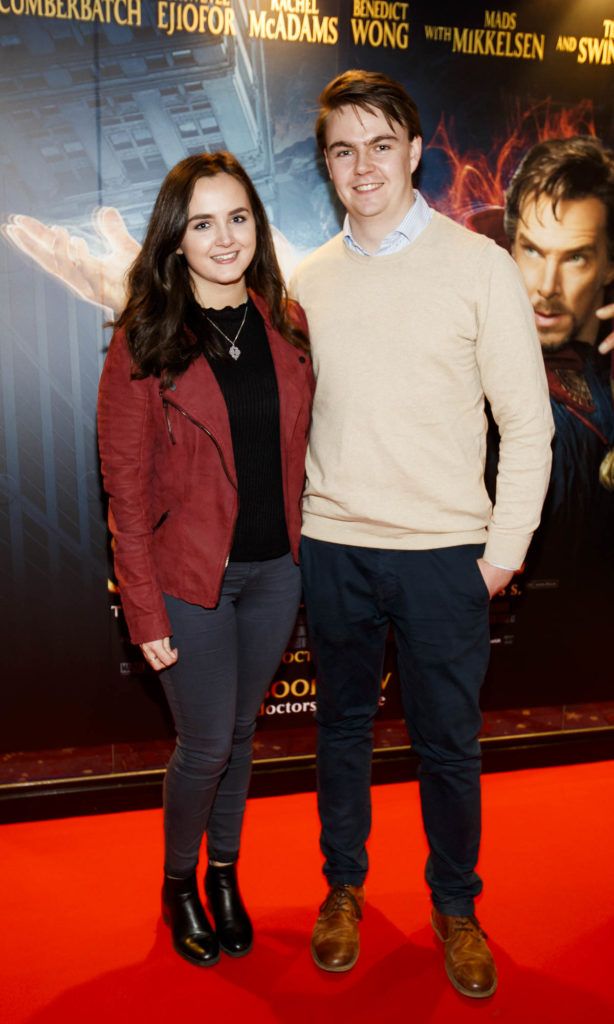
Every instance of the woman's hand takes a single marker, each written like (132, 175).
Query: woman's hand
(159, 653)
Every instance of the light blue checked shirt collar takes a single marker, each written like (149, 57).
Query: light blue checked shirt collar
(413, 223)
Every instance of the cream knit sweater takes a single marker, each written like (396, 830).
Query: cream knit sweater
(405, 347)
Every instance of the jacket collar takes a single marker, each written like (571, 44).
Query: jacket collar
(198, 392)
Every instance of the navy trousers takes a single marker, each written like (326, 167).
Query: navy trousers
(437, 603)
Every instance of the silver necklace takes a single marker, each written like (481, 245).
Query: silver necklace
(233, 350)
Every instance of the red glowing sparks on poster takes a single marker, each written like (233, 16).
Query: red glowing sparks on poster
(478, 179)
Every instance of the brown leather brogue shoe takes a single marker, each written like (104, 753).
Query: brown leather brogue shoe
(335, 942)
(469, 962)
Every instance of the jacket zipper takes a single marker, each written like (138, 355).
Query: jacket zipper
(165, 403)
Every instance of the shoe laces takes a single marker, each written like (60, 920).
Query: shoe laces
(469, 924)
(340, 898)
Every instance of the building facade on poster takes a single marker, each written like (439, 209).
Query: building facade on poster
(106, 12)
(590, 49)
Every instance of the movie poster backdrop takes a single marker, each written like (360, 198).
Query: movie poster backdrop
(98, 99)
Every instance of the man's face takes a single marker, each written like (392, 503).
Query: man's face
(565, 265)
(370, 163)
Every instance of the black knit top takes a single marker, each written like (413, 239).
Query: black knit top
(249, 387)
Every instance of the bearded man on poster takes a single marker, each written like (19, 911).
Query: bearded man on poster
(414, 321)
(559, 218)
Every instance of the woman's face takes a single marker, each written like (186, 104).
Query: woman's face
(220, 238)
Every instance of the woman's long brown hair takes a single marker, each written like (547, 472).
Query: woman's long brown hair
(159, 286)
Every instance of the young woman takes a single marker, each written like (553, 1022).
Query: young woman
(203, 416)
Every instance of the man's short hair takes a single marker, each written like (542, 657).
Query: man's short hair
(562, 169)
(368, 90)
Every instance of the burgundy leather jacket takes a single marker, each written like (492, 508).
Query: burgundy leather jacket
(168, 468)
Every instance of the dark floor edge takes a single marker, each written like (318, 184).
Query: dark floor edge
(49, 799)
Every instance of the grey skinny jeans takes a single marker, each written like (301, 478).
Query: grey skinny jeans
(227, 657)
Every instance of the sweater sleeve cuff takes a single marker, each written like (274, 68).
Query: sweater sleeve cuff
(506, 551)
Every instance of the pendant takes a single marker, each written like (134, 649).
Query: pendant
(234, 351)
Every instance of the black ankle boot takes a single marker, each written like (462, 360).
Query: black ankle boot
(232, 924)
(193, 936)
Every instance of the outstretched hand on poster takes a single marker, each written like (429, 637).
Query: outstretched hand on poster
(97, 279)
(607, 313)
(100, 279)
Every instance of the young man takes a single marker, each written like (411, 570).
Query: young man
(413, 321)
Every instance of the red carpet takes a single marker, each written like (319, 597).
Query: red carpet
(82, 940)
